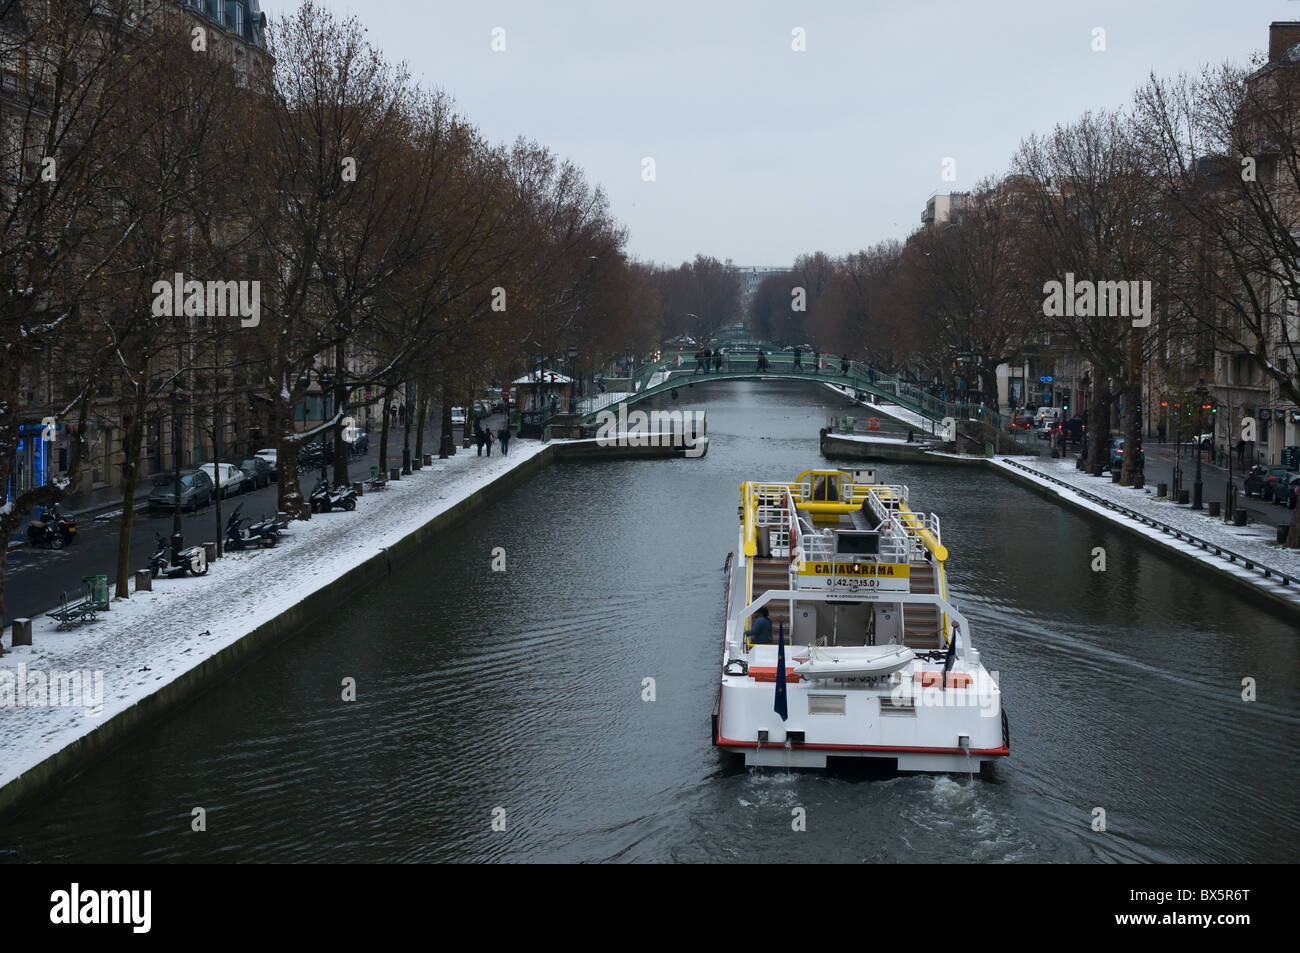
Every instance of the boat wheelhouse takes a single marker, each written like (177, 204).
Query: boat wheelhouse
(875, 661)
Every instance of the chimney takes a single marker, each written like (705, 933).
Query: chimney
(1282, 35)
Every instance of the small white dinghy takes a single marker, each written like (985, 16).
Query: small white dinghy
(854, 661)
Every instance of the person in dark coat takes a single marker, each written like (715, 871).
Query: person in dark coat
(504, 436)
(480, 438)
(760, 633)
(487, 439)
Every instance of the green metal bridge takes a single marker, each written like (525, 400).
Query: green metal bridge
(680, 368)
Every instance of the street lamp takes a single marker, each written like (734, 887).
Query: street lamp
(1201, 394)
(326, 378)
(573, 379)
(178, 539)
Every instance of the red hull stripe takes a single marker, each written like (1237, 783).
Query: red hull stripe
(982, 752)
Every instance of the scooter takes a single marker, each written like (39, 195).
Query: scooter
(324, 498)
(51, 529)
(239, 538)
(193, 560)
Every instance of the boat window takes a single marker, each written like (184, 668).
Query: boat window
(825, 489)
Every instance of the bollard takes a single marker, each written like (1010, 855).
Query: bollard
(428, 459)
(1184, 496)
(1239, 518)
(1078, 464)
(415, 463)
(22, 632)
(143, 580)
(1139, 481)
(1213, 507)
(1056, 454)
(395, 473)
(210, 551)
(358, 488)
(1115, 475)
(1162, 490)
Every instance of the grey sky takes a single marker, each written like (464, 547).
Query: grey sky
(761, 152)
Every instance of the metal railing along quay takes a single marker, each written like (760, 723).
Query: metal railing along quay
(1248, 562)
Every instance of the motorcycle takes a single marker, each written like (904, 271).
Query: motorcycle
(325, 498)
(193, 560)
(238, 538)
(51, 529)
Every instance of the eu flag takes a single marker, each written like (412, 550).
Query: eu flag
(779, 705)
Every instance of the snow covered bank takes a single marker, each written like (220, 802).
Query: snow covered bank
(911, 418)
(1256, 542)
(156, 648)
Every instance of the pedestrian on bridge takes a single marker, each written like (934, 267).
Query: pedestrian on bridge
(717, 361)
(798, 358)
(844, 364)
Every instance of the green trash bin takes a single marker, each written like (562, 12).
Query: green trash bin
(98, 590)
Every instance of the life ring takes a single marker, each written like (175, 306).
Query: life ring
(873, 423)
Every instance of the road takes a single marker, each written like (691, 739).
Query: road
(1160, 459)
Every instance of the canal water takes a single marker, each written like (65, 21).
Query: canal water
(518, 696)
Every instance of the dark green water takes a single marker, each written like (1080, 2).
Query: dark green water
(522, 690)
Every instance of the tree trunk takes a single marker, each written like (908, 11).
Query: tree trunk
(422, 417)
(383, 431)
(130, 481)
(1293, 533)
(1132, 431)
(288, 494)
(445, 448)
(1098, 427)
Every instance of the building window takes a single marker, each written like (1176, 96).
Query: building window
(238, 18)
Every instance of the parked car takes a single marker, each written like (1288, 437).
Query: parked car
(1290, 493)
(232, 478)
(257, 472)
(272, 459)
(196, 490)
(1261, 480)
(1117, 456)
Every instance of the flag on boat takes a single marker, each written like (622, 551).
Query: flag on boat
(779, 706)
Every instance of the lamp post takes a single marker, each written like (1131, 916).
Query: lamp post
(178, 539)
(573, 379)
(1201, 393)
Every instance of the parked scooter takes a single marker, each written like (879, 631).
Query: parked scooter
(51, 529)
(325, 498)
(193, 560)
(239, 536)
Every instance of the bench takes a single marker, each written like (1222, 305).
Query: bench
(71, 613)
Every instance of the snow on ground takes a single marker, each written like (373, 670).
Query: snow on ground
(911, 418)
(870, 438)
(1256, 541)
(145, 642)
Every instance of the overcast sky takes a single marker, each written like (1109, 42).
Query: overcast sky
(762, 153)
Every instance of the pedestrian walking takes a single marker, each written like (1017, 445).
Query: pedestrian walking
(488, 441)
(504, 436)
(1160, 432)
(480, 438)
(1241, 452)
(844, 364)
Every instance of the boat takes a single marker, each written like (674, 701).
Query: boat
(869, 657)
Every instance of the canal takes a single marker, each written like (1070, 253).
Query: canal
(522, 690)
